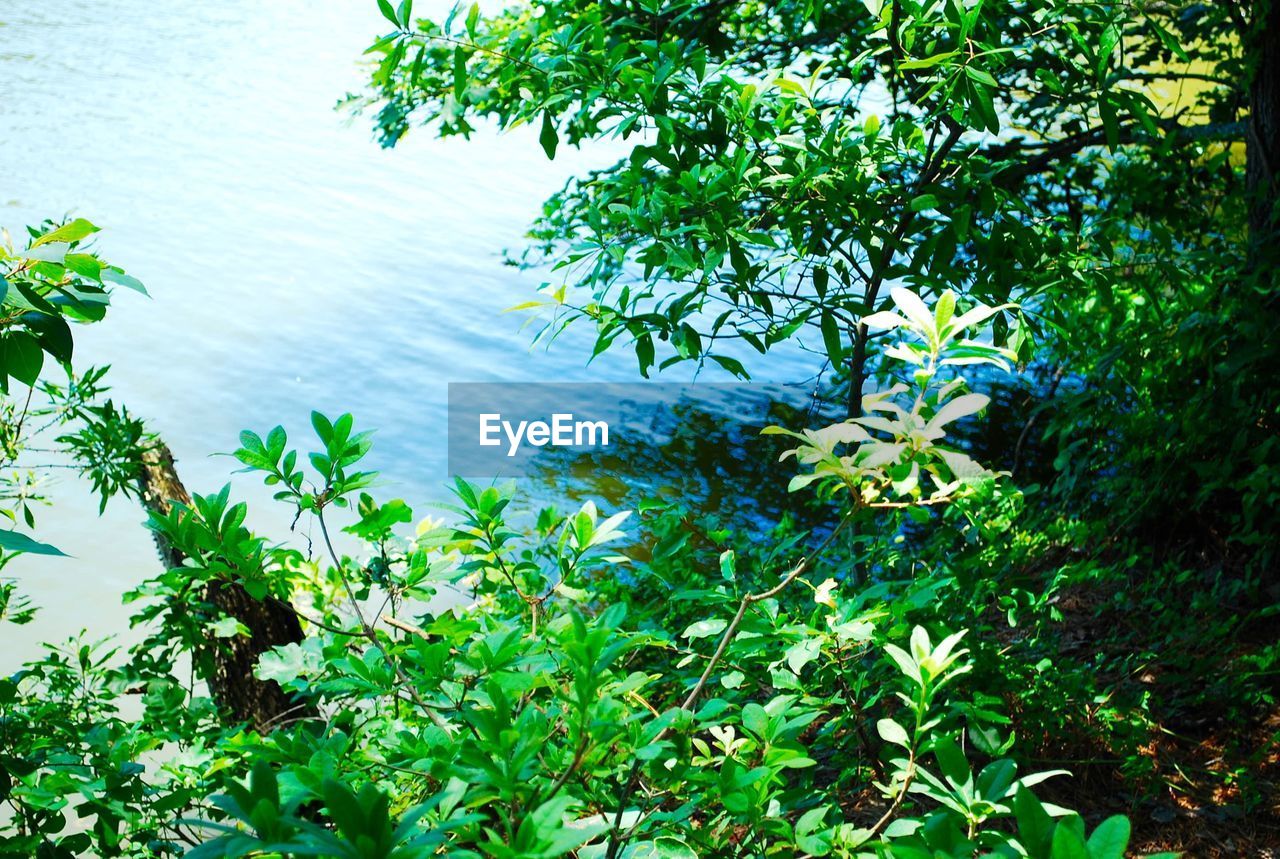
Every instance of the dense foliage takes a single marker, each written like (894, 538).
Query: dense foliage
(789, 161)
(542, 718)
(978, 575)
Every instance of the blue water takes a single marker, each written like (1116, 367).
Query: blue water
(292, 263)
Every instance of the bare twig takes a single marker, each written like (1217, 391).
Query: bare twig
(749, 599)
(405, 626)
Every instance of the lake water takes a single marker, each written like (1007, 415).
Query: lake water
(293, 264)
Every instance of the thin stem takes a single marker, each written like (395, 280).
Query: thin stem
(902, 795)
(615, 842)
(372, 635)
(749, 599)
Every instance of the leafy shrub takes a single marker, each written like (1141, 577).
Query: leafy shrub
(556, 710)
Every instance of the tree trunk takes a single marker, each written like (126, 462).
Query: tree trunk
(240, 695)
(1264, 128)
(857, 371)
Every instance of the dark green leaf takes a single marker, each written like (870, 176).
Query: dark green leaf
(21, 357)
(388, 12)
(831, 339)
(548, 136)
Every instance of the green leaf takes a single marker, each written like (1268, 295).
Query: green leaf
(913, 307)
(944, 309)
(69, 232)
(1110, 839)
(982, 107)
(1106, 45)
(891, 732)
(733, 365)
(821, 278)
(924, 202)
(1035, 826)
(727, 566)
(1110, 121)
(705, 628)
(906, 664)
(644, 353)
(986, 739)
(119, 278)
(903, 827)
(85, 265)
(789, 86)
(389, 13)
(756, 720)
(1067, 843)
(671, 848)
(324, 429)
(802, 653)
(831, 338)
(459, 73)
(960, 407)
(548, 136)
(951, 760)
(980, 76)
(927, 62)
(53, 333)
(21, 357)
(289, 662)
(733, 680)
(12, 541)
(996, 778)
(228, 627)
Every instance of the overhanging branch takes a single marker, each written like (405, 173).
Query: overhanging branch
(1050, 155)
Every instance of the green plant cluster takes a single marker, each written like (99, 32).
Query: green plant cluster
(976, 579)
(559, 710)
(54, 281)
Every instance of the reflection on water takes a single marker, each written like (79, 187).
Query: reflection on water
(700, 451)
(293, 264)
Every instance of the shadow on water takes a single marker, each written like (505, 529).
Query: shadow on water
(706, 455)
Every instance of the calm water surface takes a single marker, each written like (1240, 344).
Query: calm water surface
(292, 263)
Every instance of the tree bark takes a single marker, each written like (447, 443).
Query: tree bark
(1263, 146)
(857, 371)
(241, 696)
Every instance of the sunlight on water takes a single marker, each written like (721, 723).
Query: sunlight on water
(292, 263)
